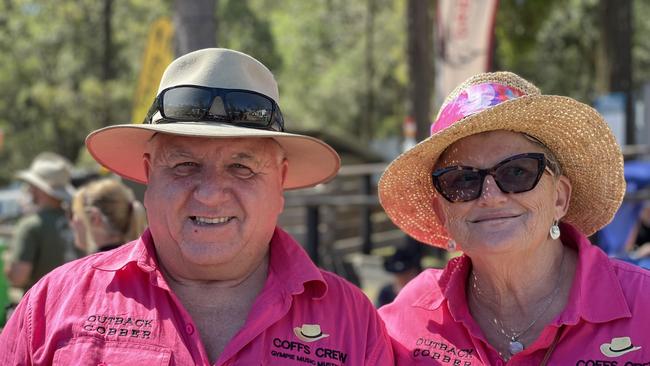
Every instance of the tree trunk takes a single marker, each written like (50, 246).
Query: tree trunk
(366, 126)
(616, 72)
(195, 25)
(420, 61)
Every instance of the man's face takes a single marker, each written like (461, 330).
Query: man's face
(212, 203)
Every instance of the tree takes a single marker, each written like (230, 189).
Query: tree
(54, 87)
(195, 25)
(420, 60)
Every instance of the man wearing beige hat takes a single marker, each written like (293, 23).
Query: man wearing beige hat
(42, 241)
(213, 280)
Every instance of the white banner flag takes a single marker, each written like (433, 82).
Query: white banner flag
(464, 36)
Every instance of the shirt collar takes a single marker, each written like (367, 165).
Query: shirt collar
(288, 262)
(140, 251)
(293, 268)
(596, 293)
(448, 285)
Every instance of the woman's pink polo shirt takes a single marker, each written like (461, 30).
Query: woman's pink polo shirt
(606, 321)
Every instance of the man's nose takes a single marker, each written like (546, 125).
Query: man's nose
(212, 188)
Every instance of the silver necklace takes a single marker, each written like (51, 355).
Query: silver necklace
(514, 345)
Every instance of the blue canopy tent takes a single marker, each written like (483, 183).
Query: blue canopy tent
(612, 238)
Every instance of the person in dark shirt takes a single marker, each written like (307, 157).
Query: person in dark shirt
(42, 240)
(404, 265)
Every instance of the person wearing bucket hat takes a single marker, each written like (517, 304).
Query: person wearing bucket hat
(213, 280)
(42, 240)
(517, 181)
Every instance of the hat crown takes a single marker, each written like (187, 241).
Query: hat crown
(311, 329)
(479, 93)
(621, 342)
(220, 68)
(52, 169)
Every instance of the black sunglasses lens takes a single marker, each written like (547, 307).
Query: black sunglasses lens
(186, 104)
(519, 175)
(459, 185)
(249, 108)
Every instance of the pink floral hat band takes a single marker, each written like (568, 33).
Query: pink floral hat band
(472, 100)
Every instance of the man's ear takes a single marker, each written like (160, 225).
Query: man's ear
(284, 168)
(146, 161)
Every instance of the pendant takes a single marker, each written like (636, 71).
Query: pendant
(515, 347)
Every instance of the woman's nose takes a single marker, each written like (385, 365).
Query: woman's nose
(491, 192)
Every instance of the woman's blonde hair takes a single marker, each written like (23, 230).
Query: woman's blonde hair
(124, 215)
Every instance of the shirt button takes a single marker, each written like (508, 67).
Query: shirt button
(189, 328)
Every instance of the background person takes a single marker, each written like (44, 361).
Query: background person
(105, 215)
(517, 181)
(404, 265)
(42, 240)
(213, 280)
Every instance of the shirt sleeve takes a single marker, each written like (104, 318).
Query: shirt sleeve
(380, 351)
(25, 241)
(15, 337)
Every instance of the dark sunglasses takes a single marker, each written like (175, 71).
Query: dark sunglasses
(233, 106)
(516, 174)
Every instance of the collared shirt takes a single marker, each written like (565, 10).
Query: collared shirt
(43, 239)
(116, 308)
(605, 322)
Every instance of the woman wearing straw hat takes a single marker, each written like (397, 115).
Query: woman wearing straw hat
(517, 181)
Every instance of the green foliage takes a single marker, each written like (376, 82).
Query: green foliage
(317, 50)
(53, 88)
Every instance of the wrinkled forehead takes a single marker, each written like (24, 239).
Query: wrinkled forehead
(259, 148)
(487, 148)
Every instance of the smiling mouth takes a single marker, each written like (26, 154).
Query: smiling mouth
(200, 220)
(492, 219)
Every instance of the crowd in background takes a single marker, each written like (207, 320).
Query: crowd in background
(62, 223)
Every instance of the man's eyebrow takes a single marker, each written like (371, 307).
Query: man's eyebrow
(243, 156)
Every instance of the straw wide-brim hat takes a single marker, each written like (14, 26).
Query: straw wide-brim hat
(574, 132)
(120, 148)
(51, 173)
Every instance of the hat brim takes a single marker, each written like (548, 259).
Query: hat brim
(573, 131)
(607, 351)
(61, 193)
(298, 332)
(120, 148)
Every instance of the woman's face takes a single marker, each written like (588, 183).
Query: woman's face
(499, 222)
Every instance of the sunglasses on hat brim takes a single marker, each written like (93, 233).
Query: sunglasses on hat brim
(187, 103)
(516, 174)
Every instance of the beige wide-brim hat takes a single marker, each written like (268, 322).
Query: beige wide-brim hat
(51, 173)
(120, 148)
(576, 134)
(309, 333)
(618, 347)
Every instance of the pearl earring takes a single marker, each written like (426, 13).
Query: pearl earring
(555, 230)
(451, 245)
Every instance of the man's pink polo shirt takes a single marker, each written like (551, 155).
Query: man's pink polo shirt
(605, 323)
(116, 308)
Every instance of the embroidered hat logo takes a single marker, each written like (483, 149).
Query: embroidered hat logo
(309, 333)
(618, 347)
